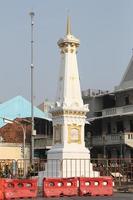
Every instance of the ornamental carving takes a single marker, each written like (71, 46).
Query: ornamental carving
(74, 134)
(68, 112)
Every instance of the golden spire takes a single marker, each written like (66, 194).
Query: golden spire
(68, 32)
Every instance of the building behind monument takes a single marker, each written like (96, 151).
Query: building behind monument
(110, 132)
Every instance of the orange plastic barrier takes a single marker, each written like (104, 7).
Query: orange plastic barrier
(20, 188)
(55, 187)
(1, 189)
(100, 186)
(1, 195)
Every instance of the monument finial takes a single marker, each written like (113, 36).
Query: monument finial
(68, 32)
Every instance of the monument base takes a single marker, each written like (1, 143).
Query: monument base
(69, 162)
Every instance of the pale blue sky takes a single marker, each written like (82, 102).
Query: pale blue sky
(105, 30)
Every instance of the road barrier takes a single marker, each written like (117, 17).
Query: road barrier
(1, 189)
(19, 188)
(121, 169)
(101, 186)
(1, 195)
(56, 187)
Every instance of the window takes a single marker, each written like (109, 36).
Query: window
(120, 127)
(109, 128)
(131, 125)
(127, 100)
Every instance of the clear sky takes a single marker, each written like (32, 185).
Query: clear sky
(105, 30)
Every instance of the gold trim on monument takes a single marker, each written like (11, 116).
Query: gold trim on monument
(66, 50)
(74, 133)
(68, 43)
(69, 112)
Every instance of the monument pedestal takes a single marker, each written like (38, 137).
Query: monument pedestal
(72, 161)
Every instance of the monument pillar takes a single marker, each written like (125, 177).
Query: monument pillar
(69, 114)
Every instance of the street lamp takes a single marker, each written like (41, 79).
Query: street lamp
(23, 129)
(32, 14)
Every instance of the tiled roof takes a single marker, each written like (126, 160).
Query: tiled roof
(127, 79)
(13, 133)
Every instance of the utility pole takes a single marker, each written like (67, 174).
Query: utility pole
(32, 14)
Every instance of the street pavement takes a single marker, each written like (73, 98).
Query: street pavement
(116, 196)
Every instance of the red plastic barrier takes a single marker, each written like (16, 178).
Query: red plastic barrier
(1, 195)
(100, 186)
(55, 187)
(20, 188)
(1, 189)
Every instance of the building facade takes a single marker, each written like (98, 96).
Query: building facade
(15, 131)
(110, 132)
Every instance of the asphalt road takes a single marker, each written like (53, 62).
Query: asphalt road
(116, 196)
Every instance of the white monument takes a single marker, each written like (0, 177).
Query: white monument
(69, 157)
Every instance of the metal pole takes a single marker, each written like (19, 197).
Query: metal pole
(104, 154)
(32, 14)
(121, 152)
(104, 146)
(24, 137)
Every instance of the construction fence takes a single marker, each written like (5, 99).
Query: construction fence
(120, 169)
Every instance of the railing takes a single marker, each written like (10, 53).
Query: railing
(119, 138)
(43, 142)
(129, 138)
(128, 108)
(120, 169)
(117, 110)
(108, 139)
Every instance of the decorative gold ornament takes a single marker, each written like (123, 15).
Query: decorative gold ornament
(74, 134)
(68, 112)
